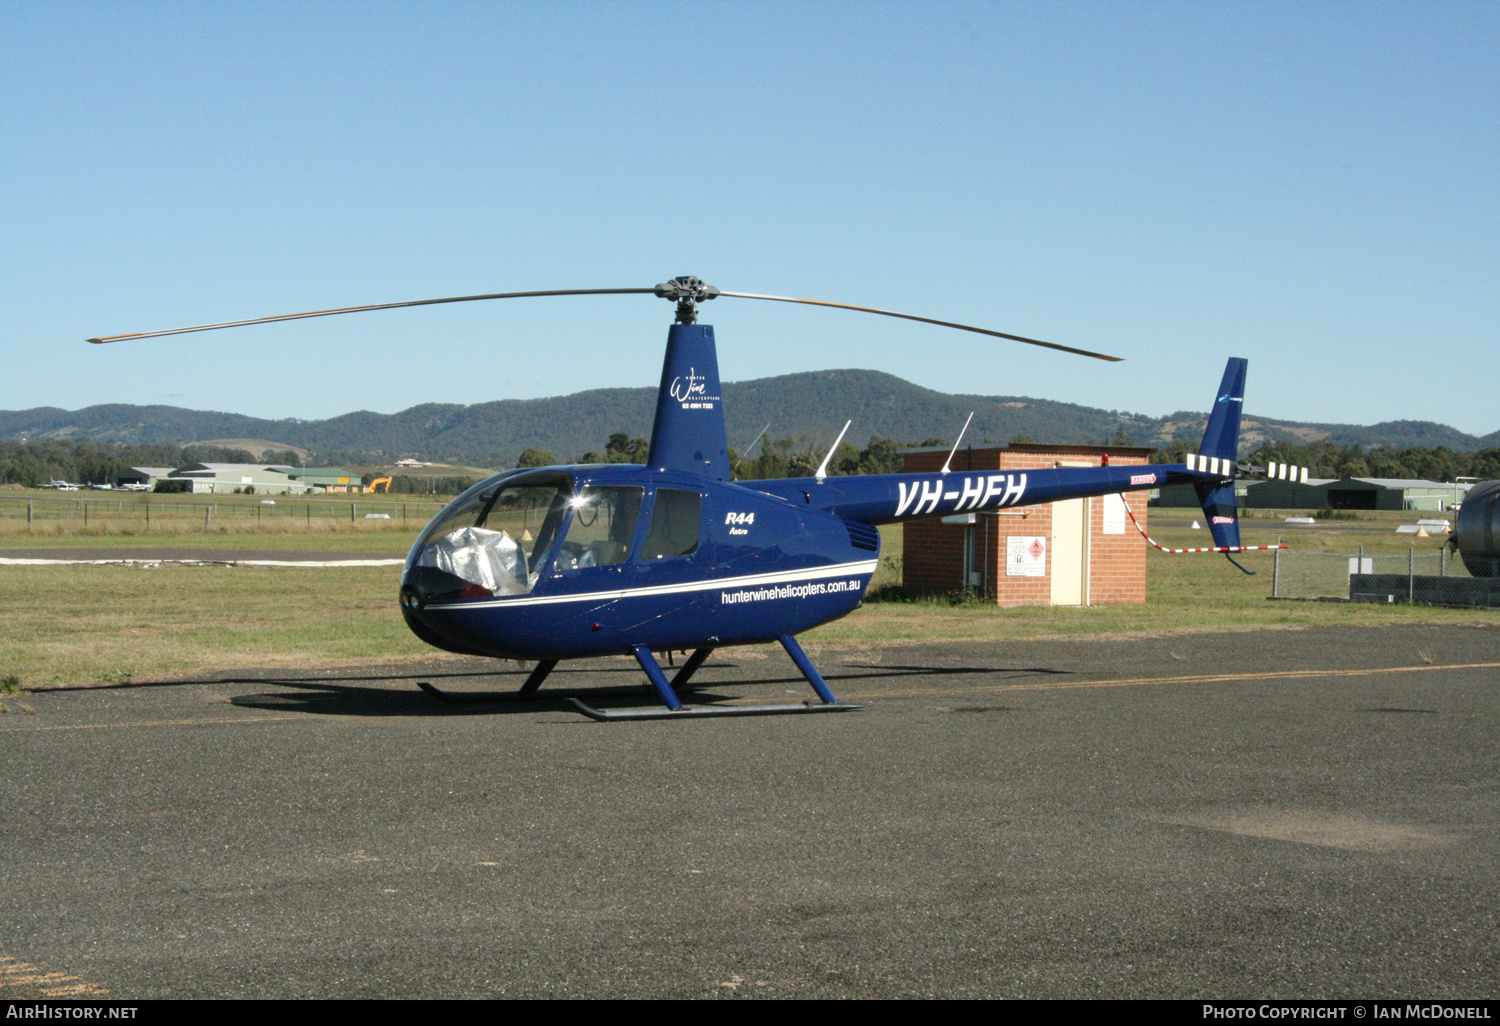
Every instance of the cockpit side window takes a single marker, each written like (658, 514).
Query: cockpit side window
(604, 520)
(676, 519)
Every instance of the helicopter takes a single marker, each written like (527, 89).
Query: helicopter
(557, 563)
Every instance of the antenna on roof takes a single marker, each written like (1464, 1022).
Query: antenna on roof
(740, 458)
(959, 442)
(823, 467)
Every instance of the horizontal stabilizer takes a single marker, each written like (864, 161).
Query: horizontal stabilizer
(1210, 465)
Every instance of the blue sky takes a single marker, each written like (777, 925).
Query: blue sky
(1309, 185)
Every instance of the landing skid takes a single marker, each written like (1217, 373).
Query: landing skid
(703, 711)
(472, 697)
(666, 690)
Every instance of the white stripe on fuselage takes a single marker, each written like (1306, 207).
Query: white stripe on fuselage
(780, 577)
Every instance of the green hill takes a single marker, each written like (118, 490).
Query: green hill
(807, 406)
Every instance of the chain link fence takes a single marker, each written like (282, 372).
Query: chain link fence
(143, 510)
(1435, 578)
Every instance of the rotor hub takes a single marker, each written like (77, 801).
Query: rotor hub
(689, 292)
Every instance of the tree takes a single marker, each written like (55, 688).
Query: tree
(1485, 464)
(1174, 453)
(216, 454)
(802, 464)
(532, 457)
(881, 456)
(621, 448)
(770, 463)
(845, 460)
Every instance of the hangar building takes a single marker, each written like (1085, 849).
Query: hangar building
(225, 478)
(1355, 493)
(1333, 493)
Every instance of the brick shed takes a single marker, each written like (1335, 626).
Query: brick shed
(1077, 552)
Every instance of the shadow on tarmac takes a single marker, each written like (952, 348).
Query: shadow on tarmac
(354, 693)
(335, 696)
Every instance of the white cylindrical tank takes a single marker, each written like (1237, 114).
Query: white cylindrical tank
(1478, 529)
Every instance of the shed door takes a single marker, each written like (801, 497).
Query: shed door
(1070, 552)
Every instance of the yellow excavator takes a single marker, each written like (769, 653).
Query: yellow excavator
(380, 484)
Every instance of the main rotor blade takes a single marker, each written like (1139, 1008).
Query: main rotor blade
(602, 292)
(376, 306)
(928, 320)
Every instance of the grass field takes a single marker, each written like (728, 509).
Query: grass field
(122, 519)
(85, 624)
(359, 536)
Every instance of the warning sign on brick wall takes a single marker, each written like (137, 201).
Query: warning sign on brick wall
(1025, 557)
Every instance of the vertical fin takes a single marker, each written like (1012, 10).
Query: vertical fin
(1222, 437)
(1221, 440)
(689, 430)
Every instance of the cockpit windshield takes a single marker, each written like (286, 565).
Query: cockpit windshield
(497, 536)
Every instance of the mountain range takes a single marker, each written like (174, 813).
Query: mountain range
(809, 407)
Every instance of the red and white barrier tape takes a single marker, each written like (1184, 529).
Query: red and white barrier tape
(1224, 548)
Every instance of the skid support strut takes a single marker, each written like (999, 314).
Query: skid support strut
(537, 676)
(808, 669)
(697, 659)
(675, 709)
(658, 679)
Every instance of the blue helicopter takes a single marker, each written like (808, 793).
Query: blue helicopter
(569, 562)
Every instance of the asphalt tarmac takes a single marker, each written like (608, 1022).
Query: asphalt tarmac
(1273, 814)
